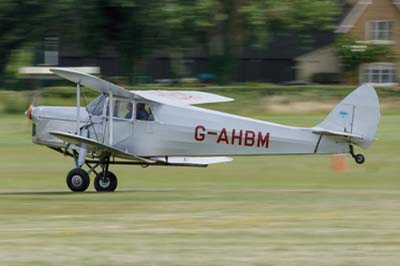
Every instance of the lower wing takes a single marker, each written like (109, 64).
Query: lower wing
(98, 147)
(191, 161)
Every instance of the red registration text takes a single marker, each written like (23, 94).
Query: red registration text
(239, 137)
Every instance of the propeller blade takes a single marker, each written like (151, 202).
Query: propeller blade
(28, 112)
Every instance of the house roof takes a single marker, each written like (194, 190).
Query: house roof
(355, 13)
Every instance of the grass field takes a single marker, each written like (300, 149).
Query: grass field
(278, 210)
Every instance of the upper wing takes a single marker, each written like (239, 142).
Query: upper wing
(97, 146)
(91, 81)
(180, 98)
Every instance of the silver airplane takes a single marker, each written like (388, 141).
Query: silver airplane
(164, 128)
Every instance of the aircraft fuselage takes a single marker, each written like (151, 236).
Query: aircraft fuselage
(186, 131)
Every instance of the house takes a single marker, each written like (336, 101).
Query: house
(369, 22)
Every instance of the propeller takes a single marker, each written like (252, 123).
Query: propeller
(35, 96)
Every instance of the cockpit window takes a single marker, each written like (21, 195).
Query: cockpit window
(143, 112)
(123, 109)
(97, 105)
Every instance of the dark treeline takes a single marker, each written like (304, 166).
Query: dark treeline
(137, 28)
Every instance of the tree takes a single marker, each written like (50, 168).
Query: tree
(131, 26)
(28, 22)
(16, 18)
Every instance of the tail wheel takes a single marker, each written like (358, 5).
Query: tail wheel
(358, 158)
(78, 180)
(105, 182)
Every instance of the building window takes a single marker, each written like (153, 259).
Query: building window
(380, 30)
(378, 73)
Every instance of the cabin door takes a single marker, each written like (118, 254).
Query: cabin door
(122, 124)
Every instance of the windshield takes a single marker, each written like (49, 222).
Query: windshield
(96, 107)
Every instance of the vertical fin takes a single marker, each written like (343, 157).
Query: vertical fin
(358, 114)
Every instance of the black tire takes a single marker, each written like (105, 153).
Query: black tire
(108, 185)
(359, 158)
(78, 180)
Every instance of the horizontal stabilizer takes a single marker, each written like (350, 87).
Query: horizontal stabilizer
(191, 161)
(98, 147)
(345, 135)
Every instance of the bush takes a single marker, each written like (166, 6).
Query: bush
(352, 53)
(66, 92)
(15, 104)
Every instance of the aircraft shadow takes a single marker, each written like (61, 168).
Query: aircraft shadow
(44, 193)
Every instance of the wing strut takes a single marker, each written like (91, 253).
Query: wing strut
(110, 104)
(78, 109)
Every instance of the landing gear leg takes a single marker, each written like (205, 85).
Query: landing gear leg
(358, 158)
(105, 181)
(78, 179)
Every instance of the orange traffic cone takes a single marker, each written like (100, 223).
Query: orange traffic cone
(339, 163)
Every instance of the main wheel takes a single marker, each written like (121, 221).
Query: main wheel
(105, 183)
(78, 180)
(359, 158)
